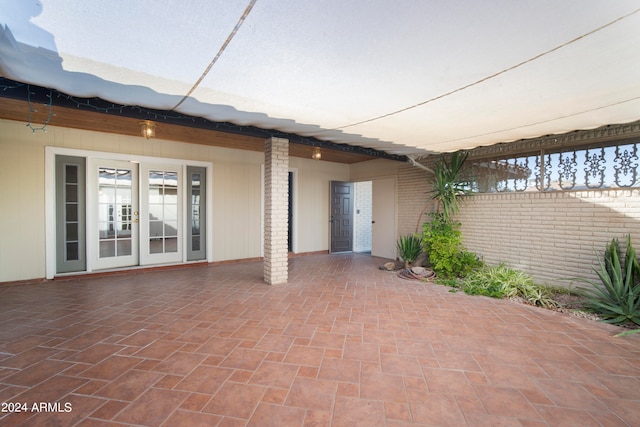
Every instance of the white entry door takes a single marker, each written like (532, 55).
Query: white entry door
(383, 227)
(114, 196)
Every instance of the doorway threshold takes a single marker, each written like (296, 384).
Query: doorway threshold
(127, 270)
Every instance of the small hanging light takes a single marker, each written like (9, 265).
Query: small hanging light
(316, 153)
(148, 129)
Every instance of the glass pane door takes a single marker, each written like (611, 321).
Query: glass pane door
(196, 213)
(116, 214)
(161, 227)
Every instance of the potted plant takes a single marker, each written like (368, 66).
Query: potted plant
(409, 249)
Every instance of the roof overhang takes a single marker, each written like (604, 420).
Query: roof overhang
(400, 77)
(42, 107)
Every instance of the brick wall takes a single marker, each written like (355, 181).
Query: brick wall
(276, 218)
(413, 197)
(552, 235)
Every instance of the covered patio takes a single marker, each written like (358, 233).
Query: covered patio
(342, 344)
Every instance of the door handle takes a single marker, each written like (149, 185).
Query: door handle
(331, 220)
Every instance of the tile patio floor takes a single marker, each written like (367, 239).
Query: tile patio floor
(342, 344)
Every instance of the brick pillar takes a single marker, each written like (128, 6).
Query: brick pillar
(276, 211)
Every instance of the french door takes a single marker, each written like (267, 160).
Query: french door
(137, 214)
(116, 218)
(108, 213)
(161, 214)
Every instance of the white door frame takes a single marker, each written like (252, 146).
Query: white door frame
(93, 212)
(50, 202)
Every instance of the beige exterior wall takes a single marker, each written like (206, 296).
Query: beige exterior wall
(372, 169)
(22, 231)
(236, 193)
(313, 201)
(550, 235)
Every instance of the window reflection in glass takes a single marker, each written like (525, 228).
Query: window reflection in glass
(115, 194)
(163, 211)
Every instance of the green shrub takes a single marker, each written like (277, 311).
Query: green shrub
(409, 249)
(617, 297)
(442, 241)
(501, 281)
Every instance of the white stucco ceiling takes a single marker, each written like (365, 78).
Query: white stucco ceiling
(406, 77)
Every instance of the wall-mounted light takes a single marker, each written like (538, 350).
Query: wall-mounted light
(317, 155)
(147, 128)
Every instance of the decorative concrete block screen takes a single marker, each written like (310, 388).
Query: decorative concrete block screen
(600, 166)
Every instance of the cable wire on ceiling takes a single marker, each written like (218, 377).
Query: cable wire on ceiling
(220, 51)
(602, 107)
(492, 76)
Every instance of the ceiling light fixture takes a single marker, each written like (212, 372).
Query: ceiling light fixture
(147, 128)
(316, 153)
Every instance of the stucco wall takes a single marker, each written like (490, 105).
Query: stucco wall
(236, 193)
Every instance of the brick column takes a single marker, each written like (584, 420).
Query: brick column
(276, 211)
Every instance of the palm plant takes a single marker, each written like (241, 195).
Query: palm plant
(409, 249)
(446, 187)
(617, 297)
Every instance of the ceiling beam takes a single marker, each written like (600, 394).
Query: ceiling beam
(51, 97)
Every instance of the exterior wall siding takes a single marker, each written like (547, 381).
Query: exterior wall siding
(552, 235)
(236, 193)
(312, 200)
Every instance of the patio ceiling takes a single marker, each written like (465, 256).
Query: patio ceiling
(404, 77)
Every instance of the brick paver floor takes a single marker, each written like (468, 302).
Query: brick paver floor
(342, 344)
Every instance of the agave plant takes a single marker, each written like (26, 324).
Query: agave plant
(409, 249)
(617, 297)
